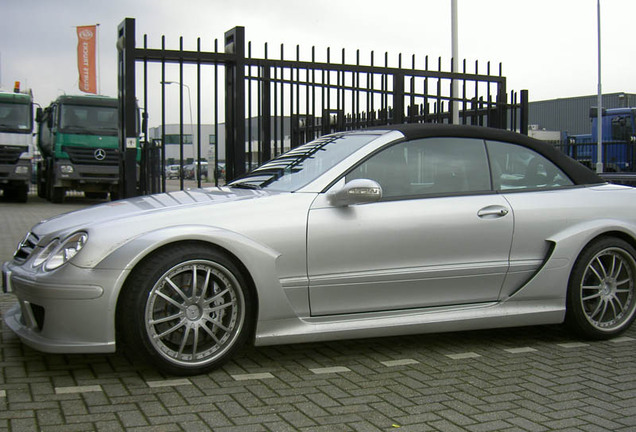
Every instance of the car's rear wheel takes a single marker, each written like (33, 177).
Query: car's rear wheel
(602, 289)
(187, 309)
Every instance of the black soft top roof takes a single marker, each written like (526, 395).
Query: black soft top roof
(577, 172)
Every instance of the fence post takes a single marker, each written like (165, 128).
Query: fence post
(501, 110)
(523, 106)
(128, 136)
(398, 98)
(266, 115)
(235, 104)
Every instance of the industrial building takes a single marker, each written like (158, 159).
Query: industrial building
(550, 118)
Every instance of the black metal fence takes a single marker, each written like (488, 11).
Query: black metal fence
(267, 105)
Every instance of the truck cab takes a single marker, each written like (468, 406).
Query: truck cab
(78, 139)
(16, 136)
(618, 136)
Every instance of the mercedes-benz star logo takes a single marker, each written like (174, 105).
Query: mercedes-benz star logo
(100, 154)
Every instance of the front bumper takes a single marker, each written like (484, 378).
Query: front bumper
(18, 173)
(66, 312)
(86, 174)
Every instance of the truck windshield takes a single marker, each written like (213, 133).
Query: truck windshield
(300, 166)
(15, 118)
(622, 128)
(91, 120)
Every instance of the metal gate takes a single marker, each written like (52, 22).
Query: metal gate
(267, 105)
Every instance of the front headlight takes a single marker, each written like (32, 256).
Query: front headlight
(67, 169)
(58, 253)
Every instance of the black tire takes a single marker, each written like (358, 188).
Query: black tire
(22, 193)
(601, 299)
(40, 176)
(181, 330)
(96, 195)
(57, 195)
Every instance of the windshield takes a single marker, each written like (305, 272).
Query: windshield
(15, 117)
(300, 166)
(97, 120)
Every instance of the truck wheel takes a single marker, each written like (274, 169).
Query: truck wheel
(41, 189)
(601, 299)
(96, 195)
(57, 195)
(40, 175)
(187, 309)
(15, 193)
(21, 193)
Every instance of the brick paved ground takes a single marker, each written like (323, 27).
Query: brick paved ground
(529, 379)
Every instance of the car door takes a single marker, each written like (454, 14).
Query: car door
(544, 203)
(439, 236)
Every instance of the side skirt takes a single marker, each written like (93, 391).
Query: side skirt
(407, 322)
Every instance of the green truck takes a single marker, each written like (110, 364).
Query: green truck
(16, 137)
(78, 140)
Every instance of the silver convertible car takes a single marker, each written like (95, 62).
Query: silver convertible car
(402, 230)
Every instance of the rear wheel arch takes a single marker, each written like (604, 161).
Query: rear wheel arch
(603, 278)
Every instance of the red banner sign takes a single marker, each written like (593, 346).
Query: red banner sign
(86, 58)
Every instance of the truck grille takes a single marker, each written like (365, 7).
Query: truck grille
(25, 248)
(10, 155)
(92, 156)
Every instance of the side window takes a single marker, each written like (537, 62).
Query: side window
(516, 168)
(431, 166)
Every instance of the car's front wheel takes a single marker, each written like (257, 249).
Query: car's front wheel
(601, 299)
(187, 309)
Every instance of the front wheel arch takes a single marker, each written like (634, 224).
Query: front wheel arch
(171, 255)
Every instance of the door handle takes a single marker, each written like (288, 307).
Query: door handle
(492, 212)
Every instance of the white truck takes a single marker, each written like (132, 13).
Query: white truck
(16, 138)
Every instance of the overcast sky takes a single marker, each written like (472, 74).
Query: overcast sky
(548, 47)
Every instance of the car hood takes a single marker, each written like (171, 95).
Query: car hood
(165, 205)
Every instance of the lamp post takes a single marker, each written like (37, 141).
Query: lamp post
(599, 111)
(455, 60)
(191, 128)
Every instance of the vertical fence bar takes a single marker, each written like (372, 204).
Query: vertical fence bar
(462, 112)
(524, 112)
(163, 111)
(199, 114)
(127, 108)
(266, 111)
(281, 119)
(312, 135)
(398, 97)
(235, 103)
(181, 152)
(149, 178)
(216, 117)
(249, 108)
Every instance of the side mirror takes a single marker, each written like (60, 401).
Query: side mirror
(38, 115)
(358, 191)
